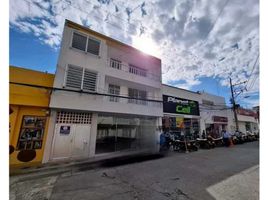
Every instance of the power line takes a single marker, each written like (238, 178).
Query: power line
(212, 26)
(252, 69)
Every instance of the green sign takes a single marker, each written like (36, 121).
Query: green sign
(180, 106)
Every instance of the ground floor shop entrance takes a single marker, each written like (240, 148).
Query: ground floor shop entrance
(190, 127)
(71, 135)
(215, 129)
(124, 132)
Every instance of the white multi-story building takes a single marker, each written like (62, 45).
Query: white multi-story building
(107, 98)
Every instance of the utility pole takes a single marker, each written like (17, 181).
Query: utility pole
(234, 106)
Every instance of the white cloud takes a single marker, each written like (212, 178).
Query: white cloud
(194, 43)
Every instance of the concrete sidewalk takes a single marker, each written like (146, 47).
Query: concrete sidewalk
(242, 186)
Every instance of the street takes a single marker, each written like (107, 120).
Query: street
(220, 173)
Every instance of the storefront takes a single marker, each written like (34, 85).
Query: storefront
(28, 115)
(219, 123)
(181, 116)
(125, 133)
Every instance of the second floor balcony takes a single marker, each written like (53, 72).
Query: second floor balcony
(136, 72)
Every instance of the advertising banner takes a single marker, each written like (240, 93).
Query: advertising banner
(180, 106)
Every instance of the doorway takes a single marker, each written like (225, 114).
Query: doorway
(71, 135)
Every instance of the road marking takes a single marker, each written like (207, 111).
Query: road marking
(241, 186)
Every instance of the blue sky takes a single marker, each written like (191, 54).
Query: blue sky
(27, 51)
(199, 42)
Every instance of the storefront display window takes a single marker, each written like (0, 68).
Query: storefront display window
(182, 126)
(116, 133)
(31, 132)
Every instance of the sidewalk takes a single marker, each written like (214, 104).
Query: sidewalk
(57, 168)
(242, 186)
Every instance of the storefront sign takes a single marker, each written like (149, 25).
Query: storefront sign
(180, 106)
(65, 130)
(245, 112)
(220, 119)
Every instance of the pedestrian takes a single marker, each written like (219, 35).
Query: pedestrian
(226, 138)
(162, 142)
(165, 141)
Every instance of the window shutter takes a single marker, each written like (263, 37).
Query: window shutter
(79, 41)
(90, 79)
(74, 76)
(93, 46)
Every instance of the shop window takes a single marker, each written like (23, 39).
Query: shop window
(31, 132)
(118, 133)
(186, 126)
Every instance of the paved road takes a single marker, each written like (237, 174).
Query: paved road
(197, 175)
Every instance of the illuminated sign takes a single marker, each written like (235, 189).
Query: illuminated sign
(180, 106)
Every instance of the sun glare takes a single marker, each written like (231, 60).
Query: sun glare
(146, 45)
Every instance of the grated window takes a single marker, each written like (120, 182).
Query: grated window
(64, 117)
(74, 76)
(90, 79)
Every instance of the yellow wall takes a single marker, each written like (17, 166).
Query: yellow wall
(30, 96)
(30, 101)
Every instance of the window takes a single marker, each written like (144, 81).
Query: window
(90, 79)
(74, 76)
(117, 64)
(93, 46)
(31, 133)
(114, 89)
(79, 41)
(86, 43)
(119, 133)
(138, 71)
(134, 93)
(64, 117)
(80, 78)
(206, 102)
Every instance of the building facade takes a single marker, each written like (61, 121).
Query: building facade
(181, 111)
(214, 114)
(193, 112)
(247, 120)
(107, 98)
(29, 97)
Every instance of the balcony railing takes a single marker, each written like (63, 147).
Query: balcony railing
(134, 101)
(131, 69)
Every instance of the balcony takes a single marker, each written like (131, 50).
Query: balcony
(133, 73)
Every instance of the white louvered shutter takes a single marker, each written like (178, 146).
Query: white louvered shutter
(74, 76)
(90, 80)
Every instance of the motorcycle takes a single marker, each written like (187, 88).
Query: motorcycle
(206, 143)
(251, 136)
(218, 141)
(239, 138)
(183, 144)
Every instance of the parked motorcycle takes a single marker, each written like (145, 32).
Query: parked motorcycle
(250, 137)
(238, 138)
(183, 144)
(218, 141)
(206, 143)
